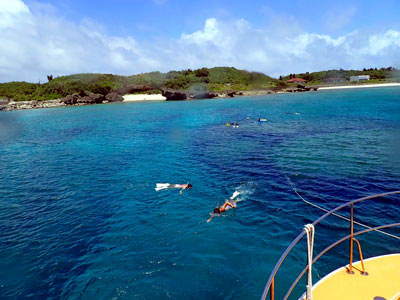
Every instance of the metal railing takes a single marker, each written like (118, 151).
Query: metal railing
(270, 286)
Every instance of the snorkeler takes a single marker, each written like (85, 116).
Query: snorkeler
(162, 186)
(232, 203)
(219, 210)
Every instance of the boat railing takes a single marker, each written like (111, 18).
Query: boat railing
(270, 286)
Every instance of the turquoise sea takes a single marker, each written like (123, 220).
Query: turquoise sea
(80, 218)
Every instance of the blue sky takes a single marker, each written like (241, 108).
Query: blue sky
(129, 37)
(169, 18)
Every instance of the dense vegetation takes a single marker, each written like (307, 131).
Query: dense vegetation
(376, 75)
(61, 87)
(214, 79)
(218, 79)
(210, 79)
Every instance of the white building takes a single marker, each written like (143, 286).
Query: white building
(359, 78)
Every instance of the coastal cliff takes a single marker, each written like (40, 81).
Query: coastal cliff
(185, 84)
(82, 98)
(85, 98)
(204, 83)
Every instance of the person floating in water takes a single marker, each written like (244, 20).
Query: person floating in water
(219, 210)
(162, 186)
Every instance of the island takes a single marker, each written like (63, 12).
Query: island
(204, 83)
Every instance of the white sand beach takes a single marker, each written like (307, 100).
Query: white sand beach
(144, 97)
(358, 86)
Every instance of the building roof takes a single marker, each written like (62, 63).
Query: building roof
(296, 80)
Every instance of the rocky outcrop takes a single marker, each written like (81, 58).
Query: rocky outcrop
(174, 95)
(70, 100)
(184, 95)
(91, 98)
(3, 104)
(299, 88)
(203, 95)
(234, 93)
(256, 93)
(83, 98)
(18, 105)
(303, 88)
(87, 98)
(114, 97)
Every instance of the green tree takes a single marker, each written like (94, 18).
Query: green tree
(203, 72)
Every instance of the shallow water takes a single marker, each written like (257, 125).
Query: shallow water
(80, 217)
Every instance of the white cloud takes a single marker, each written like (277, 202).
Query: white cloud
(13, 7)
(381, 44)
(34, 44)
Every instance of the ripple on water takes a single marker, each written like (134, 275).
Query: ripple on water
(81, 219)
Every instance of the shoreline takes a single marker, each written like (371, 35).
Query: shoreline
(339, 87)
(130, 98)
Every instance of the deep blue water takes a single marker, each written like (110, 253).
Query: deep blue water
(80, 218)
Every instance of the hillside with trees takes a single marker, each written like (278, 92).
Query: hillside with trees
(388, 74)
(204, 79)
(218, 79)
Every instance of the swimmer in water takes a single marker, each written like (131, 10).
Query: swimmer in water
(181, 186)
(219, 210)
(162, 186)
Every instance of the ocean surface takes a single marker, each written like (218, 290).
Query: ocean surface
(80, 218)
